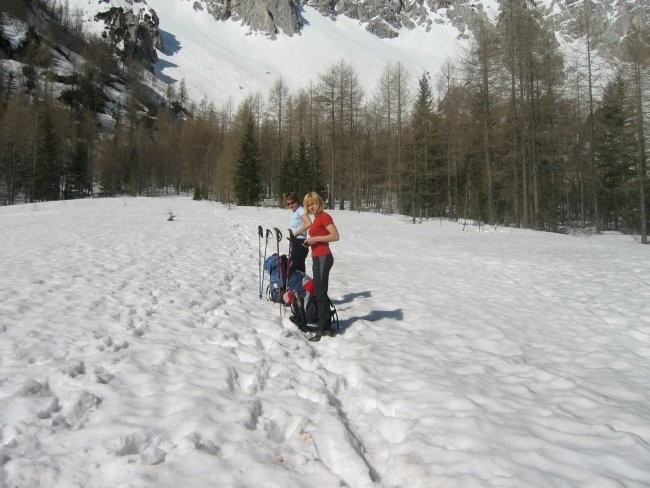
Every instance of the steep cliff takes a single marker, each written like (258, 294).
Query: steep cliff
(133, 33)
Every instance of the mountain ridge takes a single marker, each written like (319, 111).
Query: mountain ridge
(423, 33)
(224, 51)
(242, 53)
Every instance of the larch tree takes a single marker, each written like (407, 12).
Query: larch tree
(636, 55)
(480, 71)
(276, 111)
(450, 109)
(401, 80)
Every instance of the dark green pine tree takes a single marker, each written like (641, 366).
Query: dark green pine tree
(414, 191)
(310, 158)
(289, 176)
(247, 174)
(616, 158)
(76, 182)
(299, 173)
(312, 178)
(46, 166)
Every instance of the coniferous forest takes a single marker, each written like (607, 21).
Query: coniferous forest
(514, 132)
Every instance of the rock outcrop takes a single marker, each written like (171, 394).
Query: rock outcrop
(270, 16)
(133, 33)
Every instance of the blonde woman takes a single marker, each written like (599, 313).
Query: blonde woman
(321, 233)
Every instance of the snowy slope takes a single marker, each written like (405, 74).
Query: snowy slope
(219, 60)
(134, 351)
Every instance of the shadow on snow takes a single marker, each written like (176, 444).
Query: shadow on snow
(374, 316)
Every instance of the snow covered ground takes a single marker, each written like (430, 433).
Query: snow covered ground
(134, 351)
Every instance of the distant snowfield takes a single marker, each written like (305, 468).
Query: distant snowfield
(134, 351)
(224, 60)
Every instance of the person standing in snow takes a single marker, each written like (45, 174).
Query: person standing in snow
(321, 233)
(299, 224)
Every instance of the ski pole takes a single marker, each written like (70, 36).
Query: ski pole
(260, 234)
(266, 245)
(278, 238)
(289, 254)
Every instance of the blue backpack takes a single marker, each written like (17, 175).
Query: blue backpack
(277, 280)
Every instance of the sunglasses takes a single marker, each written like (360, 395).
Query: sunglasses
(290, 203)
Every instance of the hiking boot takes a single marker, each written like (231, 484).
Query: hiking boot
(296, 320)
(325, 333)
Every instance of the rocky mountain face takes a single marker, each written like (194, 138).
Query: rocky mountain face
(382, 17)
(270, 16)
(613, 18)
(134, 33)
(385, 18)
(137, 30)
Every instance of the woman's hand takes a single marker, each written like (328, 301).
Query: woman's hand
(332, 236)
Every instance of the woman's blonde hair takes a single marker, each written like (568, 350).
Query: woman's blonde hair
(313, 197)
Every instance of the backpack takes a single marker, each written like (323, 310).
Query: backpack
(277, 280)
(309, 302)
(302, 300)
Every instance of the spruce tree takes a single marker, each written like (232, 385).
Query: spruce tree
(300, 173)
(76, 182)
(316, 175)
(615, 156)
(414, 193)
(247, 177)
(46, 171)
(305, 169)
(288, 176)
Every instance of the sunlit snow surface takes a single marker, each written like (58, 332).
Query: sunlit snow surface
(135, 351)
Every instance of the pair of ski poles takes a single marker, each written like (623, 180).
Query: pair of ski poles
(261, 270)
(269, 234)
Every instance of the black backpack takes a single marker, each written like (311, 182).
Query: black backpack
(303, 302)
